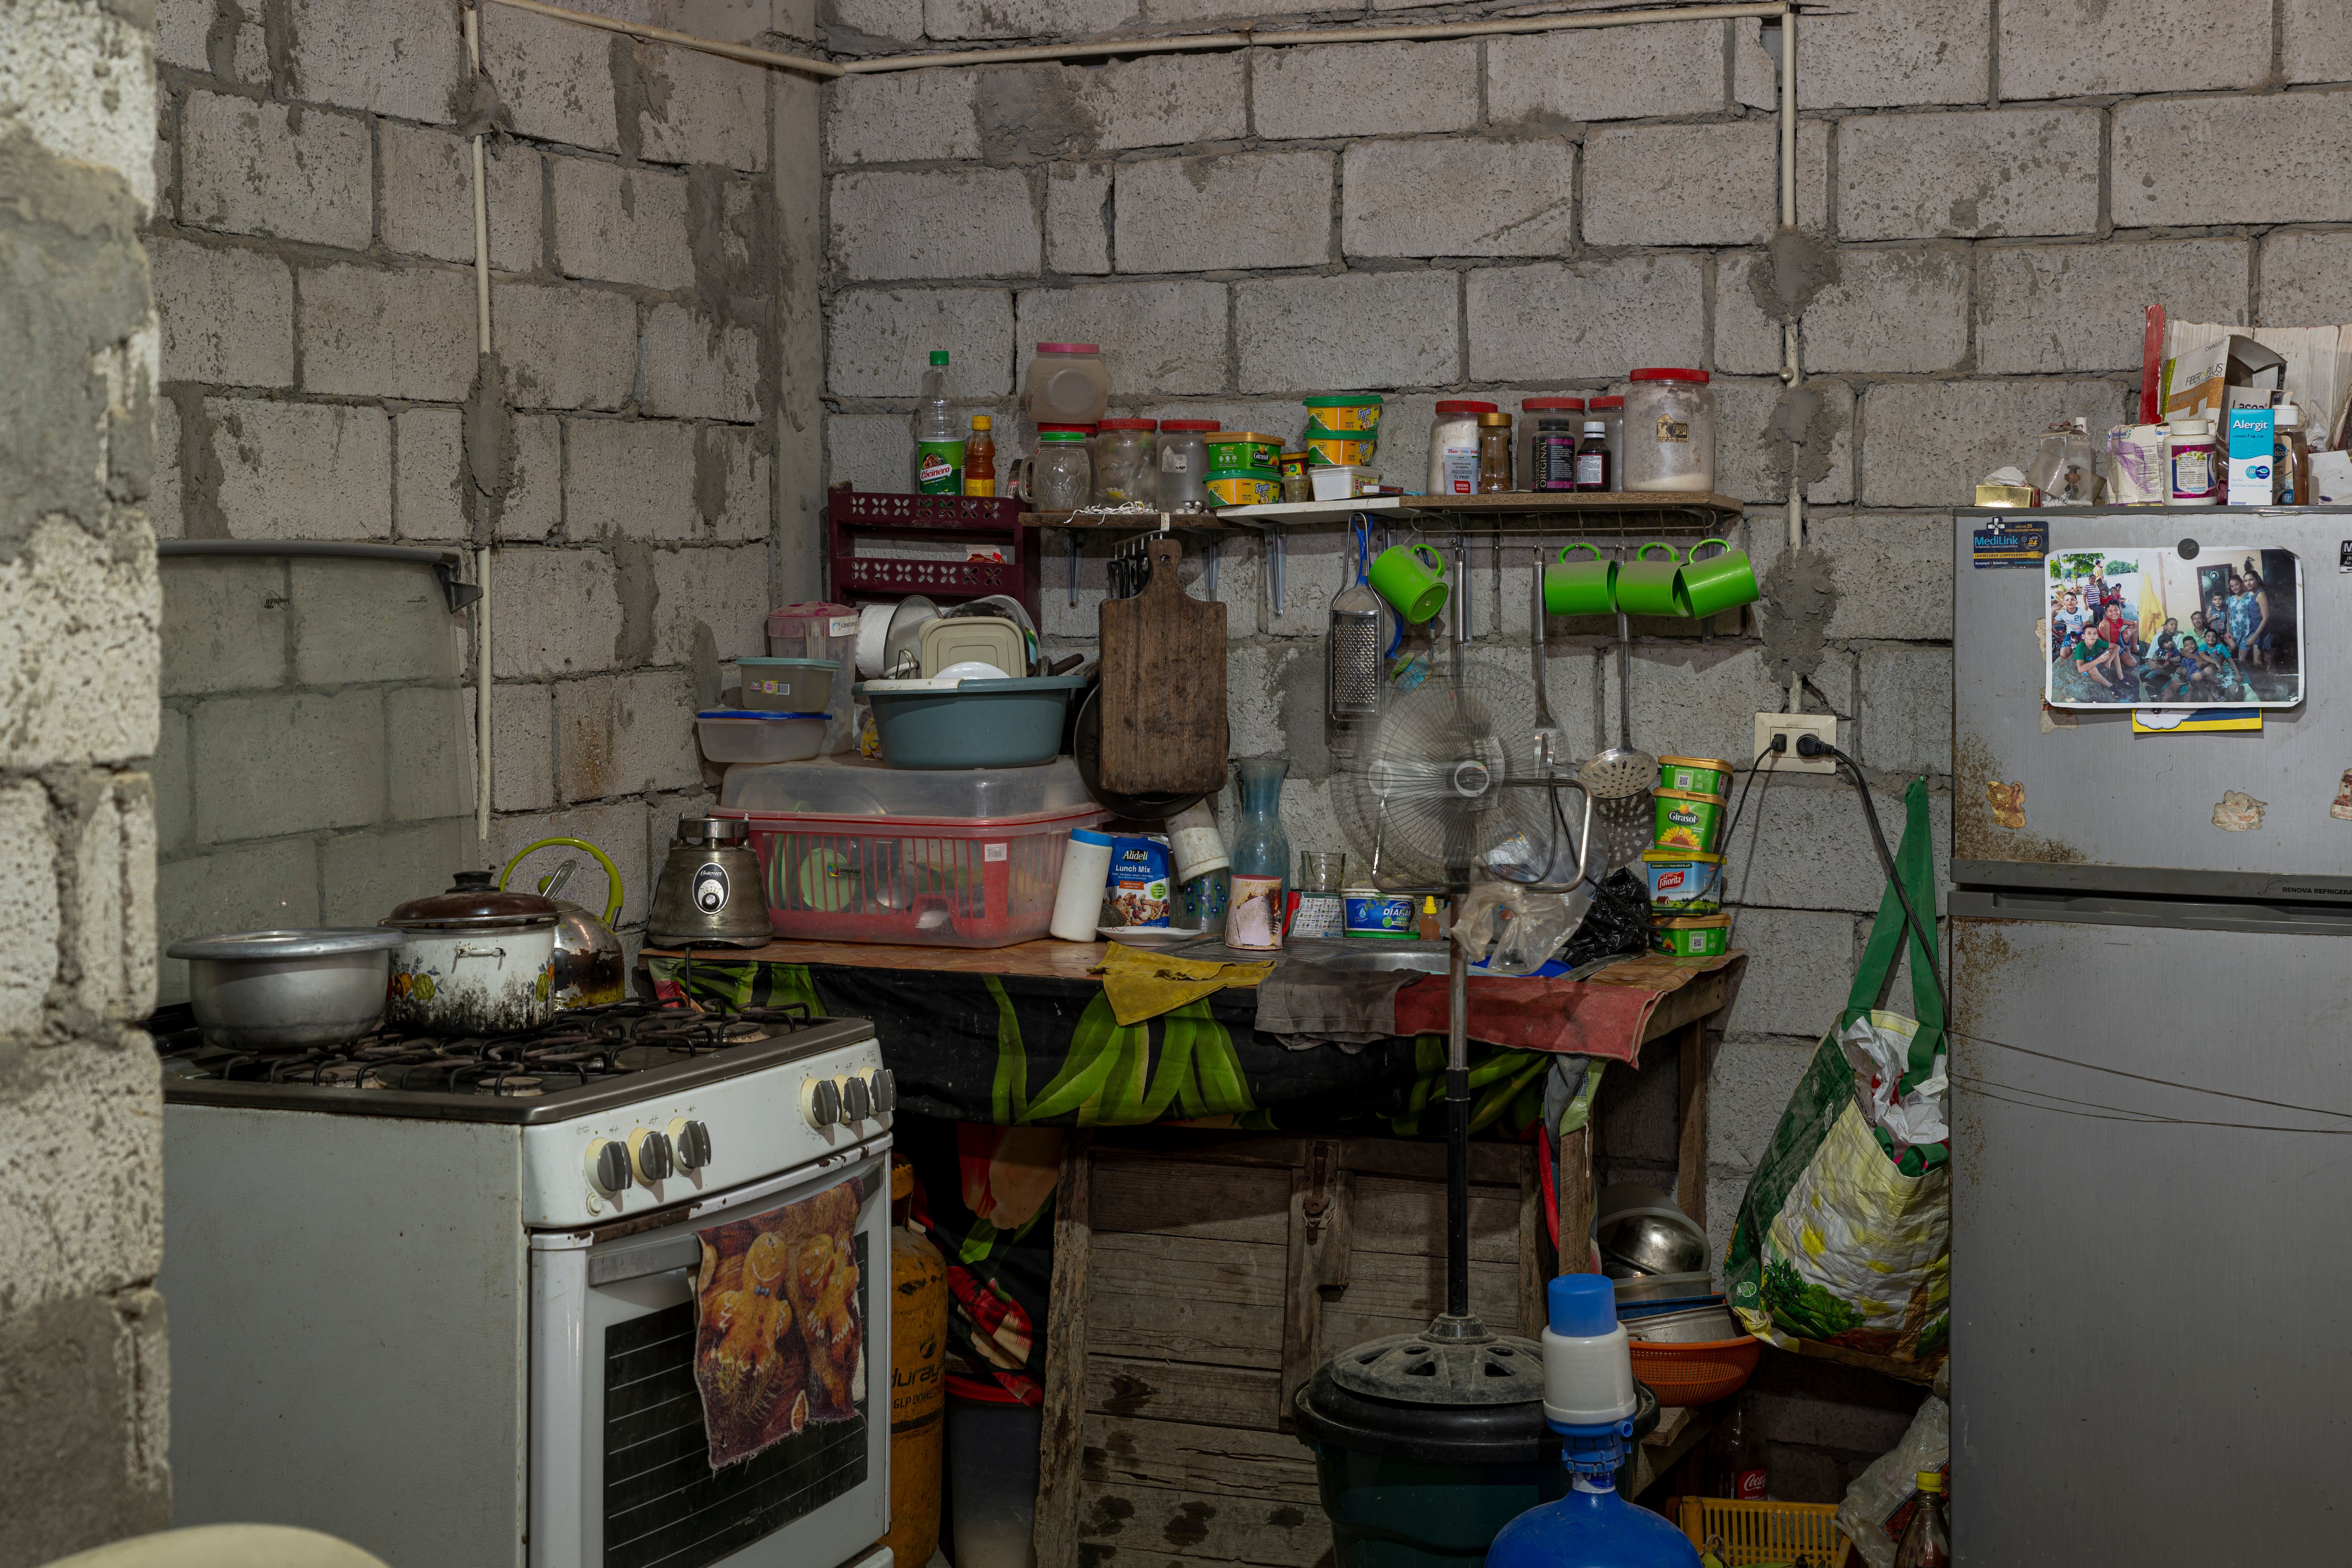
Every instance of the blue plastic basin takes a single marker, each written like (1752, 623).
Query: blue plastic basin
(1006, 723)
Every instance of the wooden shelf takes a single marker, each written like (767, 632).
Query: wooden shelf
(1139, 521)
(1609, 510)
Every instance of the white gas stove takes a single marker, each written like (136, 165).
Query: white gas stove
(436, 1297)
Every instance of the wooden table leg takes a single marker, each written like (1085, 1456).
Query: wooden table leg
(1055, 1527)
(1576, 1201)
(1690, 1172)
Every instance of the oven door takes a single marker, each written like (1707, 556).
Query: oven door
(620, 1469)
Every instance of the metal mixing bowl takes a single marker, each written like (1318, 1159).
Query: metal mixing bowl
(287, 990)
(1653, 1241)
(1692, 1326)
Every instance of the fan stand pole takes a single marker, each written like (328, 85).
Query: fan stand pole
(1457, 1133)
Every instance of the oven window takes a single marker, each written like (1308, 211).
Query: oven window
(664, 1507)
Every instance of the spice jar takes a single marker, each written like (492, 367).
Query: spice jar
(1611, 412)
(1184, 465)
(1454, 448)
(1493, 454)
(1066, 384)
(1669, 431)
(1125, 462)
(1064, 475)
(1554, 460)
(1533, 411)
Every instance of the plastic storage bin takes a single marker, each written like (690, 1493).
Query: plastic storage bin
(1768, 1532)
(734, 735)
(852, 851)
(976, 724)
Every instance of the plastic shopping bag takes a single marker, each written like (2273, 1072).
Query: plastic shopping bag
(1843, 1242)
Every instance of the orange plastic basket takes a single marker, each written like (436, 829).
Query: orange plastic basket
(1768, 1532)
(1696, 1373)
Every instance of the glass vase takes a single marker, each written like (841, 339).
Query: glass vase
(1260, 854)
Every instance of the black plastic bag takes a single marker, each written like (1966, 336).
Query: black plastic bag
(1618, 921)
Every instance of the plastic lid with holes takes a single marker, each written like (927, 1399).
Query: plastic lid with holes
(1666, 372)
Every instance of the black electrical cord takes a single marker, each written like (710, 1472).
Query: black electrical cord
(1813, 746)
(1738, 807)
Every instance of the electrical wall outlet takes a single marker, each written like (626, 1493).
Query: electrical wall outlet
(1821, 726)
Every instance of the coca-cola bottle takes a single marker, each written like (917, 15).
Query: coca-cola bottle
(1742, 1454)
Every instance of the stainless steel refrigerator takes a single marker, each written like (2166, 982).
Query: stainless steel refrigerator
(2151, 980)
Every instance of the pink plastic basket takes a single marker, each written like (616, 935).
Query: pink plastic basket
(922, 881)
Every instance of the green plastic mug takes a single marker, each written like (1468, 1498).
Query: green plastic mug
(1719, 582)
(1412, 578)
(1580, 587)
(1648, 587)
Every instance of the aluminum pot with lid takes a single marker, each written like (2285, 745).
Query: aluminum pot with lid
(271, 990)
(711, 890)
(473, 960)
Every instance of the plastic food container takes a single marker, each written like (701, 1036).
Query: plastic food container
(1669, 431)
(1063, 480)
(1368, 912)
(1688, 821)
(1125, 461)
(974, 724)
(930, 881)
(1246, 487)
(1694, 936)
(788, 684)
(1065, 385)
(743, 735)
(1346, 411)
(1325, 449)
(1185, 464)
(1700, 776)
(1682, 881)
(1232, 449)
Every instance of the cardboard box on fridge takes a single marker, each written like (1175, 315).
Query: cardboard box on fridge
(2205, 380)
(2203, 369)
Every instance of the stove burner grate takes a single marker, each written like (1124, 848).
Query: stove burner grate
(576, 1048)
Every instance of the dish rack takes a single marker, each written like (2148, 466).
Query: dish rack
(956, 519)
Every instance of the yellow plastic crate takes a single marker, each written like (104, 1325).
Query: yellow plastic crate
(1768, 1532)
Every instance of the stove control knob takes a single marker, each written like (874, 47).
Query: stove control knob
(691, 1141)
(885, 1088)
(821, 1102)
(608, 1166)
(856, 1100)
(650, 1152)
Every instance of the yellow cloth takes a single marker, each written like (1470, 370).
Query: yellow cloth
(1143, 984)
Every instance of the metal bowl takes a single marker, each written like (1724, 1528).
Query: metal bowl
(1653, 1241)
(287, 990)
(1710, 1324)
(1640, 1288)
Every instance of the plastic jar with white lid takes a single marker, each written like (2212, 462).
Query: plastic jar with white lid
(1533, 411)
(1454, 447)
(2192, 466)
(1066, 384)
(1669, 436)
(1125, 462)
(1611, 412)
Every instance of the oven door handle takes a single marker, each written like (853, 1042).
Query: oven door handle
(637, 1262)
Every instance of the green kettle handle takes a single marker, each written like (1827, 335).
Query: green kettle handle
(611, 872)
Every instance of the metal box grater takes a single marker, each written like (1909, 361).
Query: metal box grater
(1355, 654)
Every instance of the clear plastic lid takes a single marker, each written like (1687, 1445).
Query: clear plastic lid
(854, 786)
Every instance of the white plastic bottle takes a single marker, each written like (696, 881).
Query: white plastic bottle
(2192, 466)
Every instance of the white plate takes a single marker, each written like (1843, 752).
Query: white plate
(1149, 936)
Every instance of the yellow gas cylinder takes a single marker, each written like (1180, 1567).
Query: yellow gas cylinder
(919, 1338)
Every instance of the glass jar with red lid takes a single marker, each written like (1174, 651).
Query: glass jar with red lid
(1669, 440)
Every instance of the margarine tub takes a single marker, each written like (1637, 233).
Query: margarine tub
(1688, 821)
(1682, 881)
(1246, 487)
(1368, 912)
(1700, 936)
(1697, 775)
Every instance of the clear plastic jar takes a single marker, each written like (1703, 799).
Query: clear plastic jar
(1533, 413)
(1493, 454)
(1184, 465)
(1669, 431)
(1063, 476)
(1126, 460)
(1611, 412)
(1066, 384)
(1454, 448)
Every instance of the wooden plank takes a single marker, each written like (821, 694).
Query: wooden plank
(1690, 1165)
(1396, 1214)
(1652, 1458)
(1055, 1526)
(1700, 998)
(1185, 1331)
(1177, 1391)
(1206, 1146)
(1232, 1273)
(1491, 1163)
(1195, 1527)
(1224, 1461)
(1575, 1175)
(1533, 1310)
(1321, 1207)
(1207, 1201)
(1162, 698)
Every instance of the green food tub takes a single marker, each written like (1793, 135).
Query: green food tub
(1699, 775)
(1011, 723)
(1237, 449)
(1346, 411)
(1696, 936)
(1687, 820)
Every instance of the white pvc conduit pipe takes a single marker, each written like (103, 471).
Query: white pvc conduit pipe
(481, 551)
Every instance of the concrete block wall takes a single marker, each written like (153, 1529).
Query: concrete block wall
(83, 1369)
(1993, 193)
(633, 451)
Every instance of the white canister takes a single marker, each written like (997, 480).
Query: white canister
(473, 961)
(1454, 448)
(1194, 843)
(1078, 895)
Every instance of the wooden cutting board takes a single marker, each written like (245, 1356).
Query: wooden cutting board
(1163, 686)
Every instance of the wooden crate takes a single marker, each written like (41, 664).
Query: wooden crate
(1199, 1279)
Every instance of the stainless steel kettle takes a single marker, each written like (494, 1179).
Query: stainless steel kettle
(710, 890)
(590, 967)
